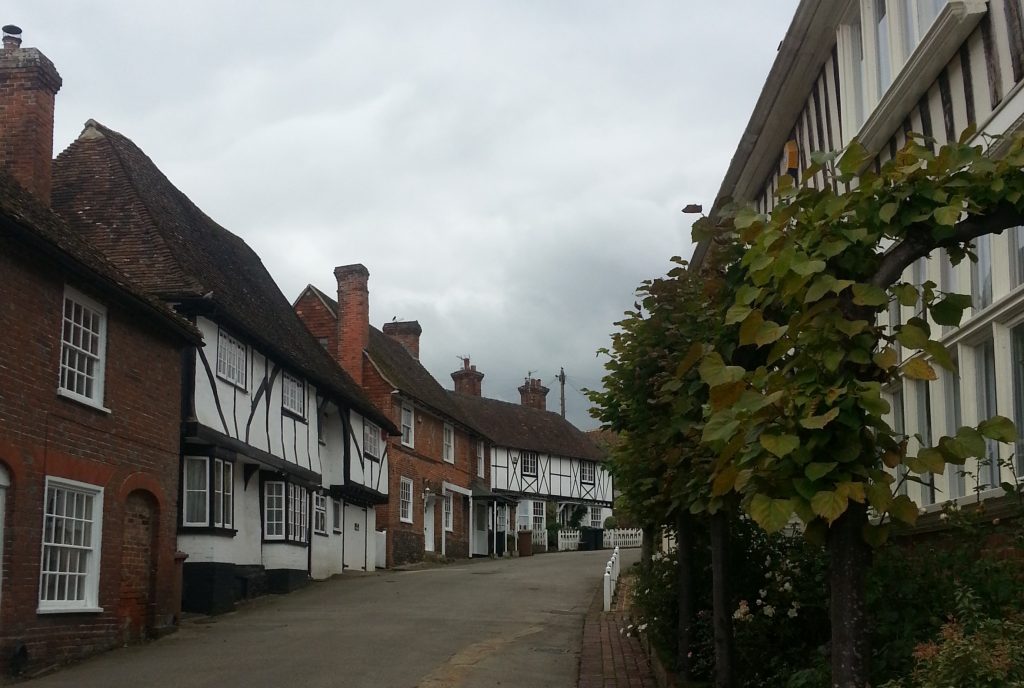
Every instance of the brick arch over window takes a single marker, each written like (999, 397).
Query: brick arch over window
(139, 563)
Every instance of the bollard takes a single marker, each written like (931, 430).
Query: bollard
(607, 591)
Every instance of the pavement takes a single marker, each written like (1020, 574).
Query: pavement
(610, 657)
(471, 624)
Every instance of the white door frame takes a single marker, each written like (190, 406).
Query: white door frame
(428, 523)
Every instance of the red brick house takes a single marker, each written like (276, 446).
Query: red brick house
(89, 414)
(438, 465)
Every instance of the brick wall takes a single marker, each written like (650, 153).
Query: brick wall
(319, 320)
(131, 452)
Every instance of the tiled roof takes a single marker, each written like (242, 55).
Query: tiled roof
(110, 191)
(524, 427)
(23, 216)
(411, 378)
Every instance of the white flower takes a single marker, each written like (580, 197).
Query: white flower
(943, 516)
(760, 602)
(787, 586)
(768, 561)
(791, 613)
(769, 610)
(762, 592)
(642, 627)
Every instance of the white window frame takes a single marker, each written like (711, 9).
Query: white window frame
(534, 460)
(92, 551)
(588, 472)
(223, 494)
(336, 515)
(297, 527)
(232, 360)
(319, 513)
(405, 500)
(278, 524)
(371, 440)
(408, 425)
(71, 348)
(539, 517)
(448, 443)
(192, 463)
(480, 463)
(293, 394)
(595, 517)
(449, 524)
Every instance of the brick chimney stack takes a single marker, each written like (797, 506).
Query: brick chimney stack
(407, 333)
(28, 85)
(353, 318)
(468, 380)
(533, 394)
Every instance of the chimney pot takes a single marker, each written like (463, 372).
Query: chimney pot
(533, 394)
(468, 380)
(12, 37)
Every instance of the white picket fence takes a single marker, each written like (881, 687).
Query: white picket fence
(569, 538)
(540, 538)
(623, 537)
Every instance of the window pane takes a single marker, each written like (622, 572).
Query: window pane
(1017, 256)
(986, 373)
(883, 60)
(954, 420)
(1018, 394)
(858, 72)
(981, 273)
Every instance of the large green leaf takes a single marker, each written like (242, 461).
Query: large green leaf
(815, 470)
(903, 509)
(998, 428)
(780, 445)
(869, 295)
(829, 505)
(771, 514)
(714, 372)
(818, 422)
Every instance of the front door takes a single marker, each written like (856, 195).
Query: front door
(428, 523)
(480, 517)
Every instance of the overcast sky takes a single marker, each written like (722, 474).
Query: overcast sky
(509, 172)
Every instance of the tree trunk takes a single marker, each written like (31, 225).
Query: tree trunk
(849, 560)
(647, 546)
(684, 587)
(722, 605)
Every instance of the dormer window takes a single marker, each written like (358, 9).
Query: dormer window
(530, 463)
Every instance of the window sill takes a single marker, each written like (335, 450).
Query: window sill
(70, 610)
(370, 457)
(320, 533)
(208, 530)
(954, 24)
(296, 543)
(337, 531)
(294, 415)
(84, 401)
(529, 475)
(410, 445)
(405, 520)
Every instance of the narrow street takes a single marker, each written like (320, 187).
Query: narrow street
(480, 623)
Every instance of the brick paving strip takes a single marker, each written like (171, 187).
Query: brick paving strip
(610, 659)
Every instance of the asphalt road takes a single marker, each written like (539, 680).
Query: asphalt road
(512, 622)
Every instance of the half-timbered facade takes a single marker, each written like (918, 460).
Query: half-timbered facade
(88, 450)
(436, 467)
(878, 70)
(275, 484)
(538, 457)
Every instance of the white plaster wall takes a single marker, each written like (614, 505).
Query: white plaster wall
(244, 547)
(363, 471)
(284, 555)
(276, 432)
